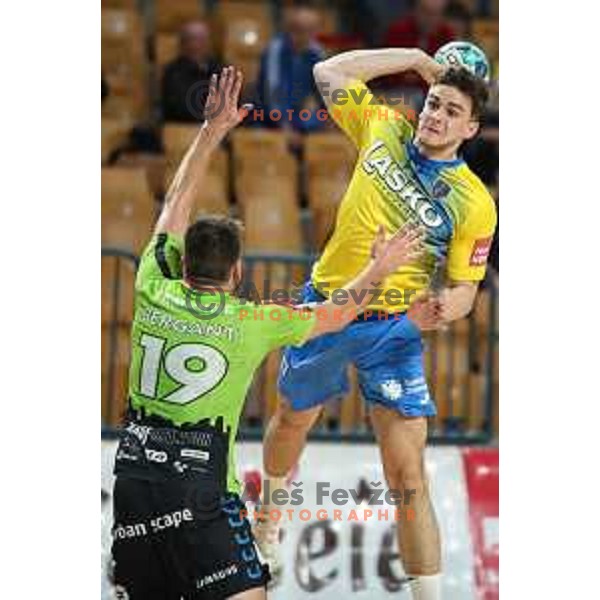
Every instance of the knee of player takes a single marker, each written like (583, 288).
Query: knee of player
(296, 419)
(409, 480)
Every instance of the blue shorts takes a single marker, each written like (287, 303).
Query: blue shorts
(388, 354)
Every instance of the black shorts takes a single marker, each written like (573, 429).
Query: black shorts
(172, 539)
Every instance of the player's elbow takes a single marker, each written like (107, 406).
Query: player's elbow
(320, 71)
(330, 68)
(464, 300)
(465, 310)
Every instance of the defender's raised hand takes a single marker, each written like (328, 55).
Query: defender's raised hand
(426, 313)
(221, 111)
(404, 247)
(222, 114)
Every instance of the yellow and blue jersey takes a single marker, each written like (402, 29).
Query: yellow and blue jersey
(394, 183)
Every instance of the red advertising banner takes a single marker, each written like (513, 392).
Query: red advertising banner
(482, 477)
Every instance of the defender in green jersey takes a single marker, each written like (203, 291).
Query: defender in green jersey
(185, 368)
(178, 529)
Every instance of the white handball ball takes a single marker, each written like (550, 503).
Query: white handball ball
(467, 55)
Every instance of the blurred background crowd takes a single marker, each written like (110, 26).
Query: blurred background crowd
(157, 57)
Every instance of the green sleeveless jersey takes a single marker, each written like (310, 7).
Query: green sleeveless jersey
(194, 354)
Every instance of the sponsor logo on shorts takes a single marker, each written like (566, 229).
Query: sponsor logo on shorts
(392, 389)
(174, 519)
(198, 454)
(127, 532)
(167, 521)
(124, 455)
(481, 250)
(157, 456)
(415, 385)
(180, 467)
(216, 576)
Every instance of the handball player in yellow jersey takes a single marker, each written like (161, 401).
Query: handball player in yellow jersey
(401, 175)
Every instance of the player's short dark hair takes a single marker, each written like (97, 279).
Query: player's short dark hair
(213, 244)
(472, 86)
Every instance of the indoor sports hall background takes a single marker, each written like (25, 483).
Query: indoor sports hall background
(283, 174)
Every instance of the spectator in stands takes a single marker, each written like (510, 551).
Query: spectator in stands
(482, 152)
(373, 17)
(459, 18)
(285, 79)
(185, 79)
(424, 27)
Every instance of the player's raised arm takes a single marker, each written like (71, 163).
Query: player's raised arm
(341, 82)
(403, 248)
(222, 115)
(341, 70)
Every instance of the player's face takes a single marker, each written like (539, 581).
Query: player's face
(446, 120)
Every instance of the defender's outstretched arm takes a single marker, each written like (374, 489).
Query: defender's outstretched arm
(190, 175)
(403, 248)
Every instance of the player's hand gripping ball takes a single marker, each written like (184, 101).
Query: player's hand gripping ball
(467, 55)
